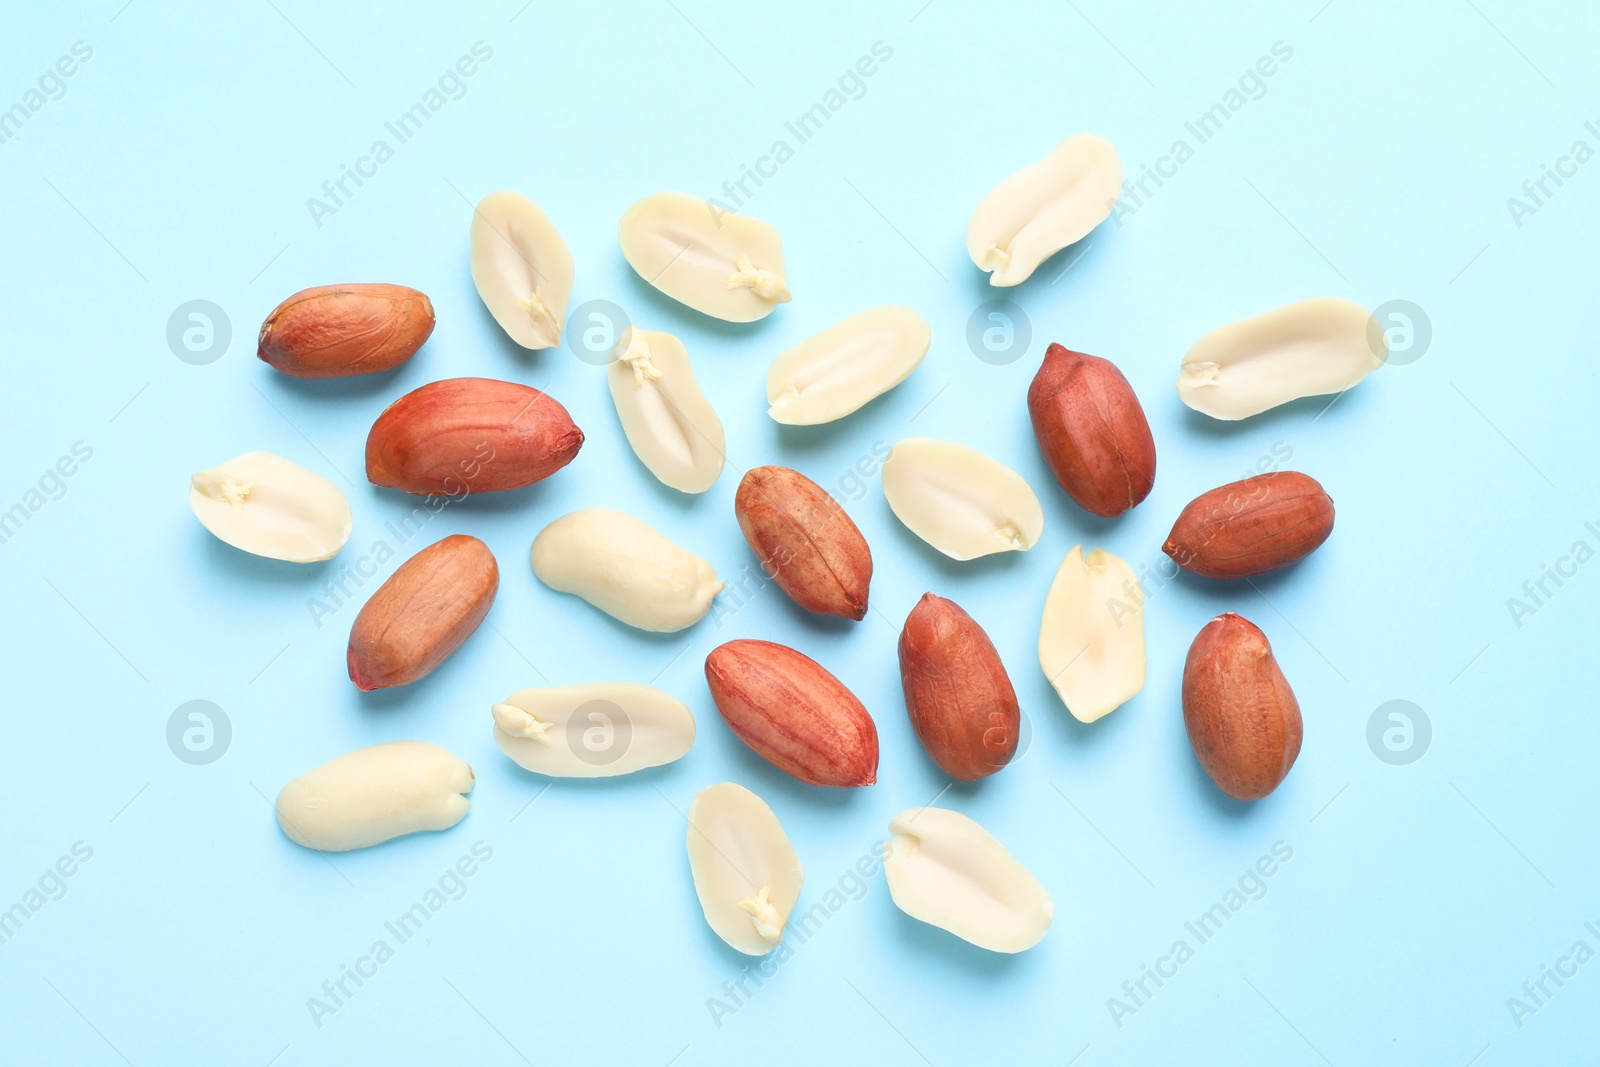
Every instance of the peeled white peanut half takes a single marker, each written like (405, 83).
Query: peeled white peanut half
(1044, 207)
(833, 373)
(271, 507)
(1308, 348)
(1091, 642)
(746, 873)
(592, 731)
(724, 265)
(669, 422)
(959, 500)
(522, 268)
(624, 568)
(946, 870)
(370, 795)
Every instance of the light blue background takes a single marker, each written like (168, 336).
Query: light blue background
(1376, 167)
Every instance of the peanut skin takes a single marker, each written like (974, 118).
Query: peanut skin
(805, 541)
(337, 331)
(793, 713)
(959, 697)
(470, 435)
(426, 610)
(1252, 526)
(1242, 717)
(1092, 431)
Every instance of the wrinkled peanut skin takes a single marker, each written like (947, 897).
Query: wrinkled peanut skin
(793, 713)
(959, 697)
(805, 541)
(1241, 715)
(426, 610)
(1092, 431)
(1252, 526)
(337, 331)
(470, 435)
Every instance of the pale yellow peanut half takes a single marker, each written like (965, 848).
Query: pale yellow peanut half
(598, 730)
(1043, 208)
(269, 506)
(668, 421)
(946, 870)
(833, 373)
(745, 871)
(959, 500)
(1307, 348)
(522, 268)
(1091, 640)
(721, 264)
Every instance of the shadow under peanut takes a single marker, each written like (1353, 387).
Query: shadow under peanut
(1206, 791)
(906, 545)
(237, 564)
(927, 940)
(661, 312)
(1297, 416)
(384, 383)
